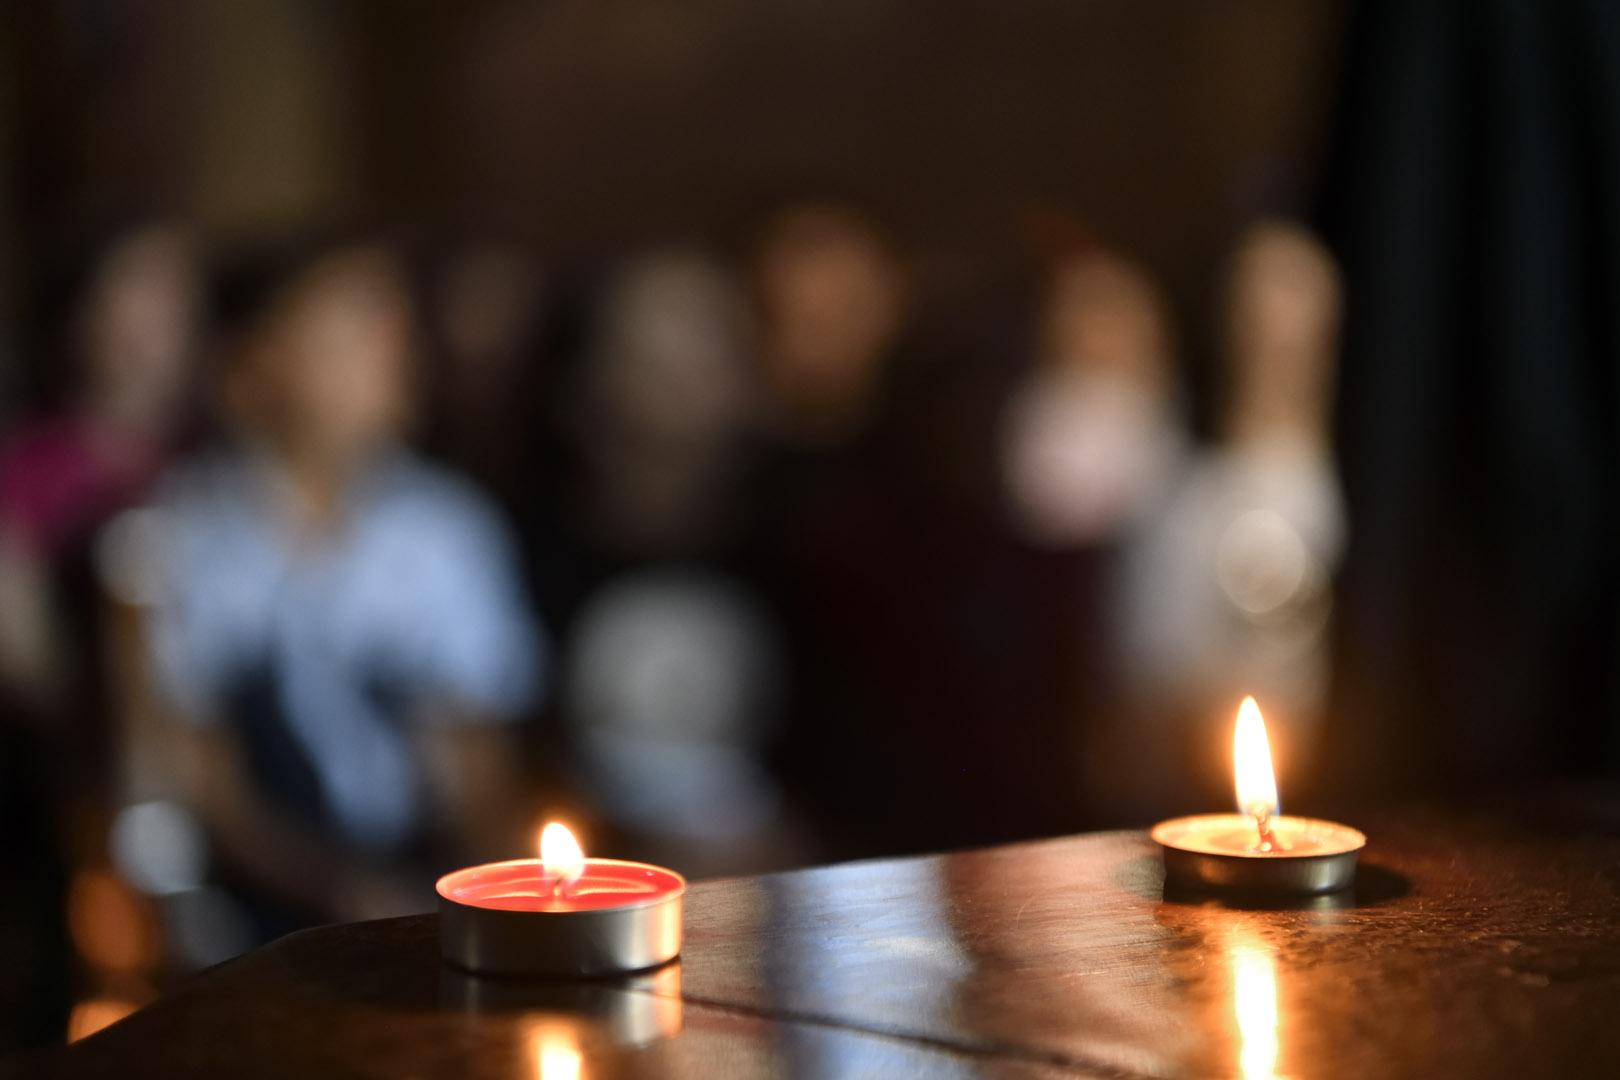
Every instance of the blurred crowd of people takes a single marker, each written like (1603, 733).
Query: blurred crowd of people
(330, 563)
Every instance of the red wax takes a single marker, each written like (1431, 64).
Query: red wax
(524, 885)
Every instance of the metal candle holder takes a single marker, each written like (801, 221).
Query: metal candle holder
(1211, 852)
(600, 941)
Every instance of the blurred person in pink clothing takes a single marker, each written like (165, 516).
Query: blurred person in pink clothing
(1092, 441)
(128, 338)
(132, 341)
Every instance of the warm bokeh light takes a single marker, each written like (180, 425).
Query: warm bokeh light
(1251, 763)
(1254, 997)
(113, 928)
(556, 1051)
(90, 1016)
(561, 853)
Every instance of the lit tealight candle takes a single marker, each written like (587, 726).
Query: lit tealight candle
(561, 914)
(1258, 849)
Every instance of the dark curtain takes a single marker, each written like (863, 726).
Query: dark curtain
(1474, 197)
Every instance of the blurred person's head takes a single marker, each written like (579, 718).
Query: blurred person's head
(320, 373)
(1281, 321)
(669, 370)
(1105, 316)
(487, 300)
(136, 327)
(832, 298)
(664, 397)
(1089, 443)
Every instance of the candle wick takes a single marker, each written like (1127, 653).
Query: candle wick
(563, 882)
(1262, 824)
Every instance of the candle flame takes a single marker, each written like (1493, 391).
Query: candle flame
(1251, 763)
(560, 854)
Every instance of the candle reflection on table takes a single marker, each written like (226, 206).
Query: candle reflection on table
(556, 1051)
(560, 1021)
(1254, 999)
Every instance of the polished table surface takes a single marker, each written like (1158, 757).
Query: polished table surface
(1466, 951)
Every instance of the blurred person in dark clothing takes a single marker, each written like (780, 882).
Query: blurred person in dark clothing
(501, 321)
(832, 298)
(1091, 437)
(916, 718)
(1090, 444)
(662, 412)
(489, 305)
(338, 626)
(670, 682)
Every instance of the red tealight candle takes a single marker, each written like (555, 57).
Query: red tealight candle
(515, 886)
(560, 914)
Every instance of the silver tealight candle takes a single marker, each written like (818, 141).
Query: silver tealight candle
(1258, 850)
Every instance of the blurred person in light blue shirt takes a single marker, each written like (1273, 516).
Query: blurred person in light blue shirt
(340, 625)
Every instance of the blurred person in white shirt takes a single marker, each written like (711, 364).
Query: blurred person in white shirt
(1228, 592)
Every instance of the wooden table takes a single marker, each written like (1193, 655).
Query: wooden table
(1466, 952)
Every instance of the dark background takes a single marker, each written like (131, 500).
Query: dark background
(593, 128)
